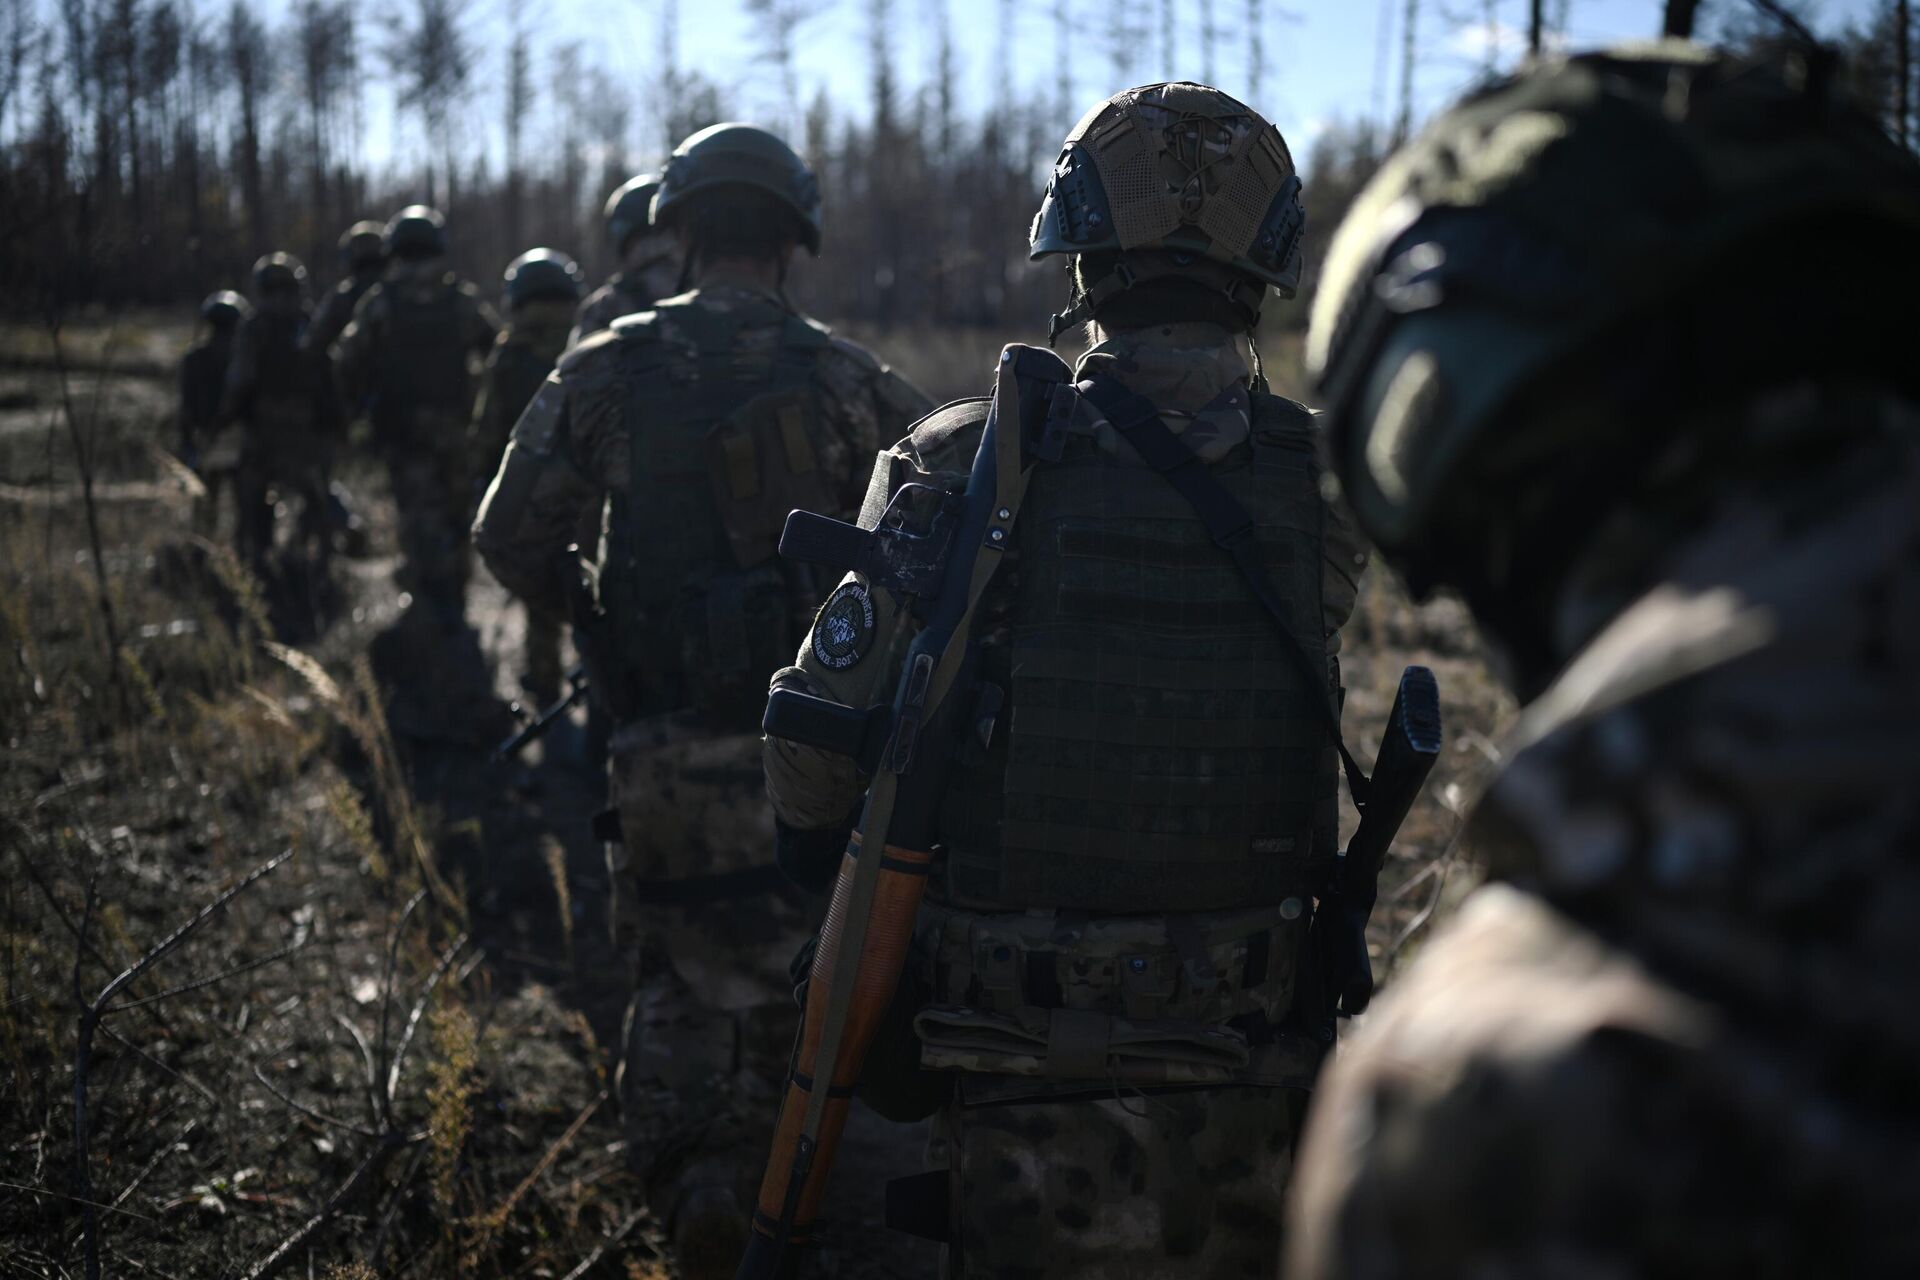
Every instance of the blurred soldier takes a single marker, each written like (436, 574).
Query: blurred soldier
(542, 289)
(649, 260)
(1605, 350)
(363, 257)
(207, 447)
(1146, 798)
(283, 400)
(699, 424)
(406, 357)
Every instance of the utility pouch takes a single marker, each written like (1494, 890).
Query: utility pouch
(1077, 1044)
(763, 463)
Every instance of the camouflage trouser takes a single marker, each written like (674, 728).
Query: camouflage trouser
(301, 473)
(543, 656)
(1137, 1186)
(431, 495)
(711, 1026)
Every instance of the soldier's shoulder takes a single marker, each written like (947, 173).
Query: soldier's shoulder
(1277, 413)
(597, 353)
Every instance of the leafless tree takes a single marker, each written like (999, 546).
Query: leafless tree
(248, 60)
(777, 27)
(432, 60)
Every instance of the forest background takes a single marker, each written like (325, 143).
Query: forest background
(153, 148)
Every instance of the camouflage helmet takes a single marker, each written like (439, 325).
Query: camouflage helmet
(278, 273)
(224, 309)
(364, 244)
(542, 273)
(417, 231)
(1582, 219)
(629, 209)
(1199, 183)
(741, 155)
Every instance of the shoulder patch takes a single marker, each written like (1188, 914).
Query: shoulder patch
(539, 423)
(843, 632)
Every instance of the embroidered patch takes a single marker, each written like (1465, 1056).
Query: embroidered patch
(843, 632)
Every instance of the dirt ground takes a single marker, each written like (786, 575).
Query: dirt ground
(389, 1051)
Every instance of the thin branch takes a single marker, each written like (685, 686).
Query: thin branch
(310, 1112)
(546, 1161)
(620, 1233)
(201, 983)
(386, 998)
(370, 1166)
(413, 1016)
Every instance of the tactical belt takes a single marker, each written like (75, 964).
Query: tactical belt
(1138, 421)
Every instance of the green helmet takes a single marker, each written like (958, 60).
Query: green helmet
(630, 209)
(224, 309)
(1176, 179)
(1603, 221)
(542, 273)
(417, 231)
(364, 244)
(278, 273)
(740, 155)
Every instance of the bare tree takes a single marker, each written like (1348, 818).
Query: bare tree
(777, 33)
(1903, 64)
(1677, 19)
(1256, 49)
(324, 57)
(19, 41)
(1209, 41)
(247, 59)
(1068, 106)
(519, 106)
(432, 59)
(1403, 124)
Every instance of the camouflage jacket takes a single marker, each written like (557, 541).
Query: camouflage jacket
(356, 352)
(330, 319)
(1679, 1039)
(571, 447)
(622, 295)
(274, 385)
(522, 356)
(1181, 369)
(203, 384)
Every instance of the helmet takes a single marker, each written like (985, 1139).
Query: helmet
(630, 209)
(542, 273)
(1591, 217)
(417, 231)
(1185, 174)
(278, 273)
(224, 309)
(741, 155)
(362, 245)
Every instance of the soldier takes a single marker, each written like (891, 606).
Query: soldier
(405, 357)
(649, 260)
(211, 450)
(363, 257)
(1676, 476)
(1133, 826)
(542, 289)
(283, 400)
(699, 425)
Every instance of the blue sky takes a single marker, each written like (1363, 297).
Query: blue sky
(1325, 59)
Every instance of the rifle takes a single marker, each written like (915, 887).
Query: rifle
(1337, 976)
(538, 726)
(940, 572)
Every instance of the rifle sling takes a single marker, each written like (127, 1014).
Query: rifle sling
(1138, 420)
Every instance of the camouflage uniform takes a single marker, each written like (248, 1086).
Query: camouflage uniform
(336, 310)
(284, 402)
(679, 644)
(213, 451)
(405, 356)
(523, 355)
(1104, 966)
(624, 293)
(1674, 1037)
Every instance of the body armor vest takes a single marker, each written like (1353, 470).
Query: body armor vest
(1158, 750)
(518, 371)
(287, 384)
(423, 353)
(721, 433)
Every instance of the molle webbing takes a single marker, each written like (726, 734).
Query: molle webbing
(1160, 747)
(719, 414)
(423, 357)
